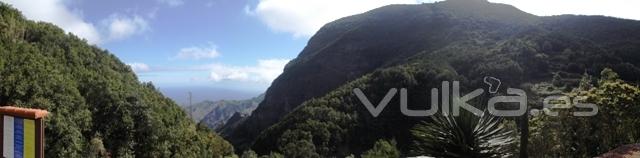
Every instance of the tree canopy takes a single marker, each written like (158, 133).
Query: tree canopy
(98, 107)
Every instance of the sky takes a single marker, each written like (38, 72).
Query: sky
(240, 45)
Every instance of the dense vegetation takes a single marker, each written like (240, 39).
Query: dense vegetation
(418, 46)
(98, 107)
(348, 48)
(382, 148)
(616, 124)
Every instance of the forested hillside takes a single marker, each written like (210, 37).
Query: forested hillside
(348, 48)
(311, 110)
(98, 107)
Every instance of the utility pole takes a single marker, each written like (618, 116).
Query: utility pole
(190, 98)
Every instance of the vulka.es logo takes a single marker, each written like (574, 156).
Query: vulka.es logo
(455, 102)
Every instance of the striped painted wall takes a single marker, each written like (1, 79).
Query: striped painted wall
(19, 137)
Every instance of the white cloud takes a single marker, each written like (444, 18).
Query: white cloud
(172, 3)
(121, 27)
(115, 27)
(139, 67)
(303, 18)
(54, 11)
(247, 10)
(197, 53)
(617, 8)
(265, 72)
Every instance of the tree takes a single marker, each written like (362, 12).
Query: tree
(298, 144)
(382, 148)
(96, 149)
(97, 103)
(249, 154)
(615, 124)
(272, 155)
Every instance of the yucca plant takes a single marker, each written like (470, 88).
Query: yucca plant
(466, 135)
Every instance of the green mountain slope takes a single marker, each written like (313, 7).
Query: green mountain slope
(416, 47)
(98, 107)
(348, 48)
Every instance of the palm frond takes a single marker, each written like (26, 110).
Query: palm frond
(466, 135)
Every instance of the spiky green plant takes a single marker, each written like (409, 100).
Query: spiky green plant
(466, 135)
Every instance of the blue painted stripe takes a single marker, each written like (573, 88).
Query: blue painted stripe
(18, 142)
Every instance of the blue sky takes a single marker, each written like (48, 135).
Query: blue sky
(186, 40)
(231, 44)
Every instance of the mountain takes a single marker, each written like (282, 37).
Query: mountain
(200, 94)
(233, 122)
(215, 114)
(311, 104)
(219, 116)
(350, 47)
(199, 110)
(97, 105)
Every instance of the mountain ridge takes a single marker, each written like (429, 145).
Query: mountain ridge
(409, 45)
(385, 24)
(214, 114)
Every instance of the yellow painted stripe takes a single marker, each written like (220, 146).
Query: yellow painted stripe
(29, 149)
